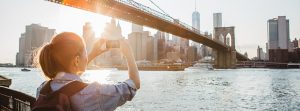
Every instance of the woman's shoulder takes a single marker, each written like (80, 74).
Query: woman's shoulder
(40, 88)
(109, 89)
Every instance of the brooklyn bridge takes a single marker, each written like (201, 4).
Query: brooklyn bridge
(225, 54)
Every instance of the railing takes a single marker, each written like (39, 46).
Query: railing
(11, 100)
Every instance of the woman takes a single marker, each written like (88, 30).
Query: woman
(65, 59)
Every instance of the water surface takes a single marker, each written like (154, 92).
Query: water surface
(231, 90)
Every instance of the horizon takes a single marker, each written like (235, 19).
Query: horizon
(62, 19)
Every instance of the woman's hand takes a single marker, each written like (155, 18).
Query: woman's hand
(98, 49)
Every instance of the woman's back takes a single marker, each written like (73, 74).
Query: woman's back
(95, 96)
(65, 59)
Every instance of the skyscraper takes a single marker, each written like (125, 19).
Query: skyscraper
(217, 19)
(34, 37)
(113, 56)
(137, 28)
(278, 39)
(196, 18)
(260, 53)
(138, 42)
(192, 54)
(267, 52)
(278, 33)
(88, 36)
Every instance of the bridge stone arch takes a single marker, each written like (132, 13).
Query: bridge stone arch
(225, 58)
(225, 31)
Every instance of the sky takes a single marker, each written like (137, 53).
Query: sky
(248, 16)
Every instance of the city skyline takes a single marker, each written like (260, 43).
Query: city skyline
(62, 21)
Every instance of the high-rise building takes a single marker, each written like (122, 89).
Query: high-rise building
(20, 55)
(299, 43)
(196, 18)
(138, 42)
(192, 54)
(34, 37)
(161, 45)
(278, 39)
(217, 17)
(278, 33)
(246, 54)
(267, 52)
(137, 28)
(260, 53)
(196, 25)
(155, 49)
(295, 43)
(88, 36)
(113, 56)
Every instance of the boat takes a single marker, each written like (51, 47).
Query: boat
(4, 81)
(200, 66)
(25, 70)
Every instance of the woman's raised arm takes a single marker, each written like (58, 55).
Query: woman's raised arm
(132, 67)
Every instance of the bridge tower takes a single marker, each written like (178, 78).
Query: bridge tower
(225, 58)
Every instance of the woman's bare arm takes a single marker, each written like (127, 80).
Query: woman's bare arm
(132, 67)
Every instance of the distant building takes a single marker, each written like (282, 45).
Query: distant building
(279, 55)
(176, 39)
(260, 53)
(278, 33)
(113, 56)
(88, 36)
(160, 49)
(137, 28)
(34, 37)
(181, 45)
(192, 54)
(196, 20)
(299, 43)
(217, 17)
(204, 50)
(278, 39)
(294, 56)
(246, 54)
(267, 52)
(295, 43)
(138, 42)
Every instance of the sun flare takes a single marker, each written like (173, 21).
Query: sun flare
(100, 76)
(73, 19)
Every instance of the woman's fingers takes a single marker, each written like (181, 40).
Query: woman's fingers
(98, 47)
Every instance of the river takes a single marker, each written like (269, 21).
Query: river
(230, 89)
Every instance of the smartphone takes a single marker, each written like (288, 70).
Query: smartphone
(112, 44)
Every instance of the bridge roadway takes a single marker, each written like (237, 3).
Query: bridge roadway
(137, 13)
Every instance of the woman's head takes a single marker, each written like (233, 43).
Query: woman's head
(65, 53)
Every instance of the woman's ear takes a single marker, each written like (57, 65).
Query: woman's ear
(76, 62)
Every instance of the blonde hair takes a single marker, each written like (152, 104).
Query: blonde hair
(57, 55)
